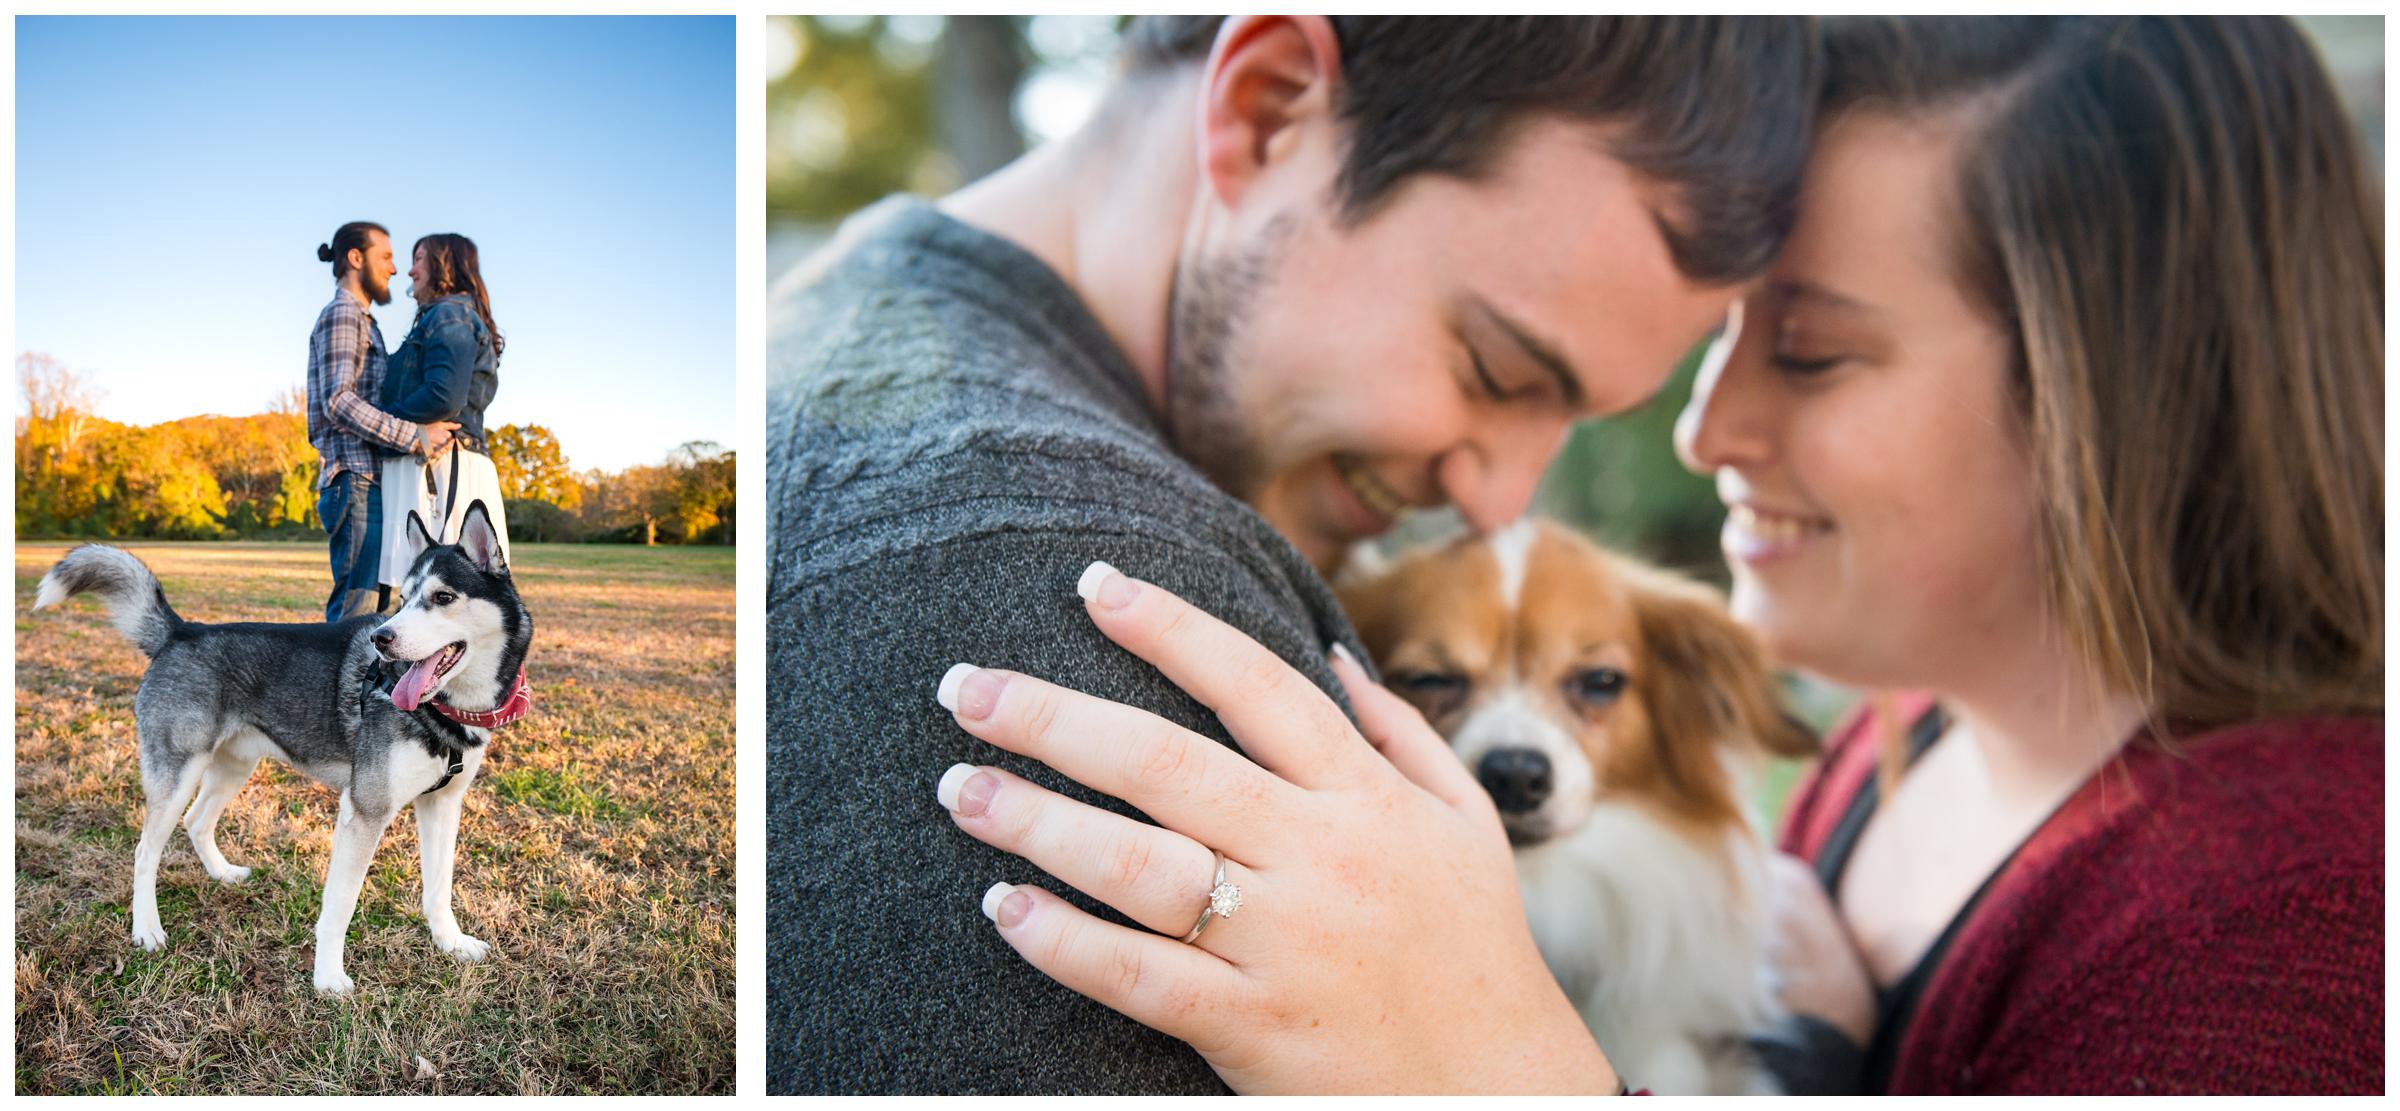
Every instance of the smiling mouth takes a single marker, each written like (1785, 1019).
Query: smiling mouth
(425, 674)
(1377, 497)
(1775, 528)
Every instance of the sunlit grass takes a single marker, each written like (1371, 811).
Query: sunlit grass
(596, 856)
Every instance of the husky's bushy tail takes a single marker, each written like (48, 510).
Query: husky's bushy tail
(135, 601)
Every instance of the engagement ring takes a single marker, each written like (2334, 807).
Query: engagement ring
(1223, 900)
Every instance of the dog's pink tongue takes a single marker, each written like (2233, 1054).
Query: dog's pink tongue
(410, 690)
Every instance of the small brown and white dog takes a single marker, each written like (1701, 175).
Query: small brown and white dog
(1617, 715)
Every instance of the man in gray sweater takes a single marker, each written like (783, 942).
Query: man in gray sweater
(1297, 276)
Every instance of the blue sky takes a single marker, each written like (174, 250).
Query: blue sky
(175, 175)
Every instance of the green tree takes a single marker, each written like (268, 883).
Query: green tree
(703, 493)
(533, 466)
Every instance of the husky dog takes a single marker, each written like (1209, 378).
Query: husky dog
(387, 712)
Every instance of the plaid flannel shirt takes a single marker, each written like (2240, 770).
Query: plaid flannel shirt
(345, 367)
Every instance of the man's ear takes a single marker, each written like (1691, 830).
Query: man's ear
(1265, 76)
(419, 538)
(481, 540)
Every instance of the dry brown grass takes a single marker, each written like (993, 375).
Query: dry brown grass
(596, 857)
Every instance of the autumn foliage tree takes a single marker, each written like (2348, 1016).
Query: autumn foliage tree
(221, 477)
(196, 478)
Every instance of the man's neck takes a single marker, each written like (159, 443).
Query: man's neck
(349, 284)
(1107, 208)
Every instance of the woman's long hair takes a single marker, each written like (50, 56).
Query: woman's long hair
(450, 259)
(2172, 219)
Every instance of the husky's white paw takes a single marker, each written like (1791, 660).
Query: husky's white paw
(149, 935)
(334, 982)
(463, 947)
(232, 873)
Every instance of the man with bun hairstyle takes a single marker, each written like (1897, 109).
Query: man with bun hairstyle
(345, 367)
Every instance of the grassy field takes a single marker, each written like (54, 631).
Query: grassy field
(596, 857)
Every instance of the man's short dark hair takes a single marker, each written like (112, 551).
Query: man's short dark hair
(1719, 107)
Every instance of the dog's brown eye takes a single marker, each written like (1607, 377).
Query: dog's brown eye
(1598, 686)
(1434, 692)
(1427, 682)
(443, 597)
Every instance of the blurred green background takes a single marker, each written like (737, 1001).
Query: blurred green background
(859, 107)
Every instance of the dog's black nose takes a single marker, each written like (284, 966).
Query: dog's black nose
(382, 638)
(1518, 778)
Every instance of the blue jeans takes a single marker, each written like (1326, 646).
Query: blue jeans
(353, 516)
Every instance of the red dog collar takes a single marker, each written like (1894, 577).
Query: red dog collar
(518, 703)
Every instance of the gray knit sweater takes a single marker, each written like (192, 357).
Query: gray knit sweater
(951, 438)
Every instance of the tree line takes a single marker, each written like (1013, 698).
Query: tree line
(255, 477)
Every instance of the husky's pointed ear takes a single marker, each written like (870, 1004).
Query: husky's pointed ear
(481, 540)
(419, 537)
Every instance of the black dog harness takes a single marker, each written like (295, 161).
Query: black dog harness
(368, 688)
(458, 763)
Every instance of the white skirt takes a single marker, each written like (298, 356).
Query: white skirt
(451, 484)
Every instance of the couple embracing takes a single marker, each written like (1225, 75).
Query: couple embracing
(403, 431)
(2044, 393)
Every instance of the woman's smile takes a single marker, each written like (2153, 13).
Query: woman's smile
(1757, 536)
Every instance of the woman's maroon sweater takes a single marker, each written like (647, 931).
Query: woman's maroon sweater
(2205, 916)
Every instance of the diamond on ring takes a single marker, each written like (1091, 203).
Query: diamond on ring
(1223, 900)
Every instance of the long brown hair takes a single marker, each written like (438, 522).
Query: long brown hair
(2172, 217)
(450, 259)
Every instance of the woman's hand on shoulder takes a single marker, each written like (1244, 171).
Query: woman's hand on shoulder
(1378, 944)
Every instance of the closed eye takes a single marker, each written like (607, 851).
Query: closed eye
(1491, 385)
(1805, 367)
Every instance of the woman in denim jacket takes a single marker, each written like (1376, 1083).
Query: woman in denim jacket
(446, 370)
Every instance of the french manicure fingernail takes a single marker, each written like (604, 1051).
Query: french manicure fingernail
(977, 693)
(992, 897)
(1344, 653)
(1087, 587)
(1013, 908)
(947, 790)
(1104, 586)
(965, 791)
(947, 693)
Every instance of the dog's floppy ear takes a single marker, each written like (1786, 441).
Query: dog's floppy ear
(481, 540)
(1727, 687)
(419, 538)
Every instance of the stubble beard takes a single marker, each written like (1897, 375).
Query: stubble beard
(1208, 307)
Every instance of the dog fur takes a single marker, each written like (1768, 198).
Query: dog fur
(318, 697)
(1618, 714)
